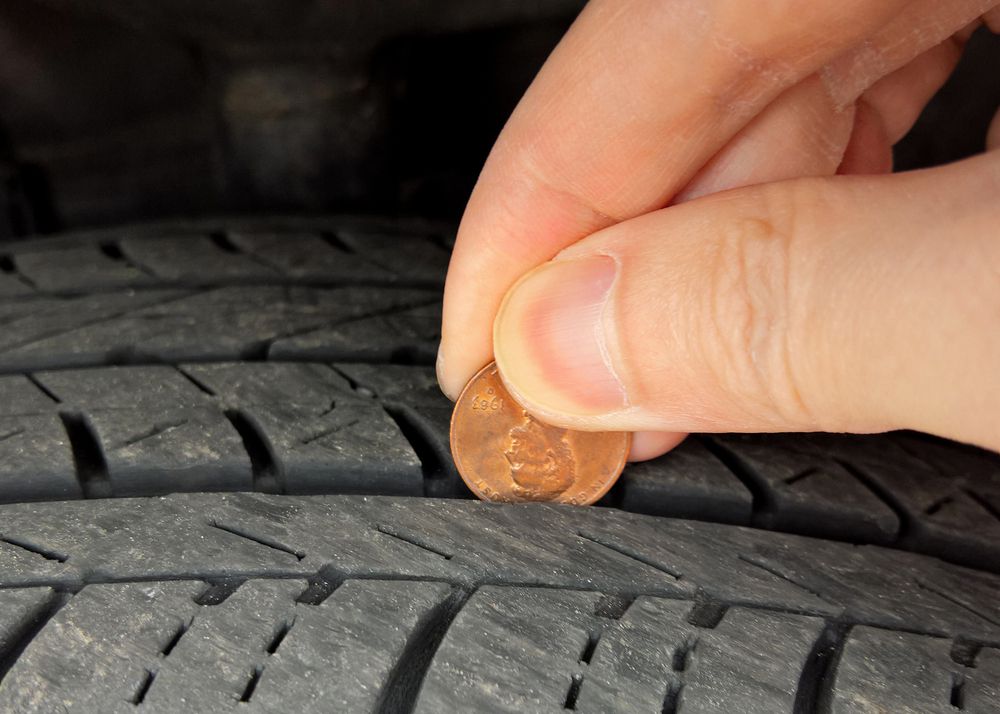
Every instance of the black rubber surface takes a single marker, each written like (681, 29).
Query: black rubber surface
(284, 358)
(294, 357)
(321, 603)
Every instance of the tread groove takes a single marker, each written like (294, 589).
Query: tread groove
(280, 636)
(223, 243)
(259, 540)
(613, 607)
(217, 592)
(267, 477)
(11, 434)
(938, 505)
(143, 689)
(176, 637)
(92, 323)
(262, 350)
(155, 431)
(905, 532)
(411, 540)
(983, 503)
(327, 432)
(593, 638)
(707, 614)
(802, 476)
(88, 457)
(761, 496)
(112, 250)
(573, 692)
(202, 387)
(336, 242)
(402, 686)
(630, 553)
(781, 576)
(814, 692)
(42, 388)
(252, 684)
(317, 591)
(8, 266)
(46, 553)
(672, 698)
(682, 655)
(957, 698)
(165, 545)
(433, 467)
(955, 601)
(964, 652)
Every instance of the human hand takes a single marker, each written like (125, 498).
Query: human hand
(855, 304)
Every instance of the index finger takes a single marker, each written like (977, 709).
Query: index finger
(634, 100)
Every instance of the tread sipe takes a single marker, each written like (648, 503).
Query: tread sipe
(322, 603)
(225, 484)
(293, 356)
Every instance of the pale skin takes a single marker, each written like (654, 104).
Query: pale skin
(689, 224)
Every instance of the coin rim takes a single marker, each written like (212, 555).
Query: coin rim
(620, 466)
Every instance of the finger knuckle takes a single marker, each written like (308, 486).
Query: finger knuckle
(750, 307)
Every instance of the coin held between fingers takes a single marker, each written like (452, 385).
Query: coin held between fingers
(505, 454)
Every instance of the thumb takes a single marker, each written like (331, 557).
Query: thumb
(839, 304)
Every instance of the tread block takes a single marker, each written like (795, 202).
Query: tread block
(750, 663)
(19, 610)
(353, 448)
(19, 396)
(409, 257)
(99, 648)
(901, 672)
(416, 400)
(413, 385)
(509, 650)
(115, 539)
(810, 492)
(79, 268)
(60, 332)
(226, 323)
(307, 256)
(122, 387)
(223, 647)
(154, 452)
(36, 461)
(948, 506)
(23, 563)
(312, 386)
(323, 437)
(688, 482)
(13, 286)
(409, 336)
(516, 650)
(636, 658)
(340, 655)
(192, 259)
(979, 690)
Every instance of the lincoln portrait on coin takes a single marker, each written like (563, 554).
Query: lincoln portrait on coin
(541, 462)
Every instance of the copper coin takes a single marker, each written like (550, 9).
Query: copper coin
(505, 454)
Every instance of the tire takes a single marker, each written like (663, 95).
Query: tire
(288, 361)
(354, 603)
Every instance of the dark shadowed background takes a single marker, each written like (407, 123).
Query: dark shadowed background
(114, 111)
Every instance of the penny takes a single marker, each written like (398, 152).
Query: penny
(505, 454)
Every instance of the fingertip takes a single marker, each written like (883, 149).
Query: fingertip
(648, 445)
(447, 385)
(993, 135)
